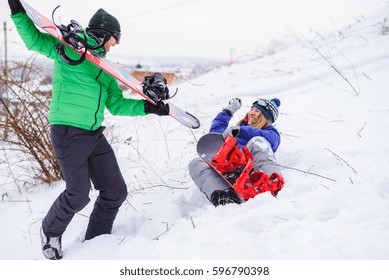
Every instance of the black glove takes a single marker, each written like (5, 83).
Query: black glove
(15, 6)
(155, 87)
(161, 109)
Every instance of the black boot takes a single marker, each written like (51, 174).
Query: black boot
(234, 197)
(223, 197)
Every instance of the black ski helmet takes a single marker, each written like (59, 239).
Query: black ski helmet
(102, 23)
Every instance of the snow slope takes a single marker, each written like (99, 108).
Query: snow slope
(335, 142)
(339, 213)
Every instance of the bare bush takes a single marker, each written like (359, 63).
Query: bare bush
(335, 59)
(385, 27)
(324, 54)
(24, 126)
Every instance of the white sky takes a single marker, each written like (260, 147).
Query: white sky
(203, 28)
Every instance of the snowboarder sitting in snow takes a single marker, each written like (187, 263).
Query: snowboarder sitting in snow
(80, 96)
(256, 132)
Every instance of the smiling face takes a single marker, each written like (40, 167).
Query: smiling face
(256, 119)
(253, 115)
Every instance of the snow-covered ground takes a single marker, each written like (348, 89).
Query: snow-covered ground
(335, 140)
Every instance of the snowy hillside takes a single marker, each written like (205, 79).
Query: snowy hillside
(335, 140)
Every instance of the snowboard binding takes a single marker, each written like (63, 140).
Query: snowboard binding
(229, 157)
(155, 87)
(75, 36)
(258, 182)
(236, 166)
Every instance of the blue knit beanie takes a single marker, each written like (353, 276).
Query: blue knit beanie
(269, 108)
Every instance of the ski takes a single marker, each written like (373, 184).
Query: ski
(48, 26)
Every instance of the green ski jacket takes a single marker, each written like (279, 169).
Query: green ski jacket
(82, 92)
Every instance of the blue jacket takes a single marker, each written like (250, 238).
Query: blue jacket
(270, 133)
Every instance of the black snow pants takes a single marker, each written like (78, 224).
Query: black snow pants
(85, 156)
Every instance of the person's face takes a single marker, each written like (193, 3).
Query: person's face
(110, 43)
(253, 115)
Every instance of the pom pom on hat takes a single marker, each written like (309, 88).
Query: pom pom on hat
(276, 101)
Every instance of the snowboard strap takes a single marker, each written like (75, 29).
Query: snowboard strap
(229, 157)
(155, 88)
(75, 36)
(249, 186)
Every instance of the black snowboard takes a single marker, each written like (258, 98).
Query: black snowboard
(208, 145)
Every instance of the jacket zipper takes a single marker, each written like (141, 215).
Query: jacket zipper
(98, 105)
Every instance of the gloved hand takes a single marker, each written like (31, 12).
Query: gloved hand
(233, 105)
(155, 87)
(15, 6)
(231, 131)
(161, 109)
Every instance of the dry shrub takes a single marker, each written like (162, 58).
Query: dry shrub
(24, 127)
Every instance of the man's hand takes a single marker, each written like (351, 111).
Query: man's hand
(161, 109)
(16, 6)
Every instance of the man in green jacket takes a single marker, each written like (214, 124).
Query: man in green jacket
(80, 95)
